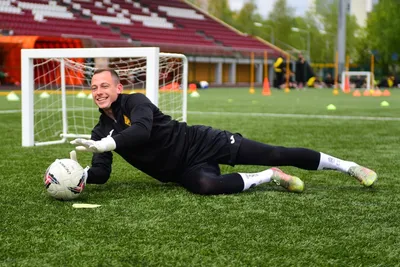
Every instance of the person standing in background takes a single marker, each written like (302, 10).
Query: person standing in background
(303, 72)
(279, 68)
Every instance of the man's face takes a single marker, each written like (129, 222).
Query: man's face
(104, 89)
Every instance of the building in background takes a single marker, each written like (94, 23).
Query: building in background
(358, 8)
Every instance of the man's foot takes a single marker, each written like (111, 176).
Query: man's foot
(291, 183)
(366, 176)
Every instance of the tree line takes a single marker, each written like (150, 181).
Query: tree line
(316, 30)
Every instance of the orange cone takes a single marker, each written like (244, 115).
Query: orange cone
(366, 93)
(266, 90)
(346, 88)
(192, 87)
(356, 93)
(386, 92)
(377, 92)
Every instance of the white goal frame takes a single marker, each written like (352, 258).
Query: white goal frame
(152, 55)
(354, 73)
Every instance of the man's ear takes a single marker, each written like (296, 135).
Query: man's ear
(120, 88)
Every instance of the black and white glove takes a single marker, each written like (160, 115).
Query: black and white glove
(104, 145)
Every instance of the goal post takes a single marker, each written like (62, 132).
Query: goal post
(56, 96)
(369, 78)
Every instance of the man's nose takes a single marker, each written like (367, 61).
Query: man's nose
(99, 91)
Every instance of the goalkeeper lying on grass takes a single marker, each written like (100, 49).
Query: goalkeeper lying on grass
(172, 151)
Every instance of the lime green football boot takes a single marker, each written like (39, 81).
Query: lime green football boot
(291, 183)
(364, 175)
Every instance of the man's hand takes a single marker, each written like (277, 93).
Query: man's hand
(72, 155)
(104, 145)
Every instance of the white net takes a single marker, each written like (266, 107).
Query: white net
(52, 82)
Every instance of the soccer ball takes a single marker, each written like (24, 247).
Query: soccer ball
(64, 179)
(203, 84)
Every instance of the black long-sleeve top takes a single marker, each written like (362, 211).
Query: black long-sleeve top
(145, 137)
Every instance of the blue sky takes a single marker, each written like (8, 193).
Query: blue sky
(265, 6)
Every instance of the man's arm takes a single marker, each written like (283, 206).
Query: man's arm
(100, 171)
(140, 111)
(139, 132)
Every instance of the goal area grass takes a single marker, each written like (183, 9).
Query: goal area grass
(142, 222)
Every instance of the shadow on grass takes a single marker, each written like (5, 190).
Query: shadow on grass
(151, 188)
(132, 187)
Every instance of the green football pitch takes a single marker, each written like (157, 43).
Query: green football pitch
(141, 222)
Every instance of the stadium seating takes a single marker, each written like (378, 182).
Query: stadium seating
(49, 19)
(171, 22)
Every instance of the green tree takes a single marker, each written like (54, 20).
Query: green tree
(199, 3)
(318, 42)
(325, 18)
(383, 27)
(281, 19)
(221, 10)
(246, 17)
(363, 49)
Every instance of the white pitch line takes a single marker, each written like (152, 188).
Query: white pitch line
(10, 111)
(304, 116)
(48, 110)
(276, 115)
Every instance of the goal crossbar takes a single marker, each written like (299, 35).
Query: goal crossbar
(368, 74)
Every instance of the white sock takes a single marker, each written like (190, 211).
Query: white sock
(328, 162)
(254, 179)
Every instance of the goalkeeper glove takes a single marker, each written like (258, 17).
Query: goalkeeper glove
(104, 145)
(73, 156)
(85, 173)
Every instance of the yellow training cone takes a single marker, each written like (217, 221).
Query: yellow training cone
(384, 104)
(81, 95)
(44, 95)
(331, 107)
(194, 94)
(12, 96)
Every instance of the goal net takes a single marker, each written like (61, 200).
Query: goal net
(361, 80)
(56, 98)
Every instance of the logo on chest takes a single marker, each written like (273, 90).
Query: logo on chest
(127, 121)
